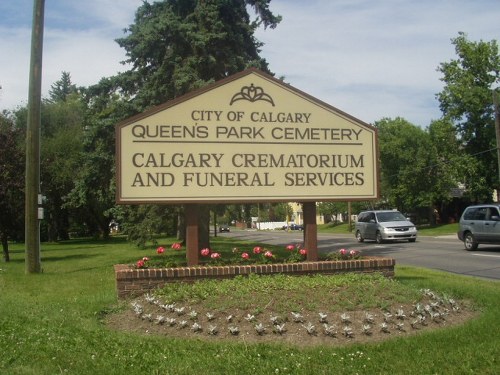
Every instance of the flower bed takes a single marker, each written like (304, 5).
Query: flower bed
(132, 281)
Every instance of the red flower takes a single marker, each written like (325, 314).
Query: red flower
(303, 252)
(343, 252)
(215, 255)
(353, 253)
(268, 254)
(176, 246)
(290, 247)
(245, 256)
(140, 263)
(205, 252)
(257, 250)
(160, 250)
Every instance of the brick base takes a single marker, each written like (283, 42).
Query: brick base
(132, 282)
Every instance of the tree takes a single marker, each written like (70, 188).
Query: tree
(11, 183)
(177, 46)
(466, 99)
(448, 172)
(62, 89)
(405, 157)
(61, 159)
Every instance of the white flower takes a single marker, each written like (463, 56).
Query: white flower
(210, 316)
(280, 328)
(260, 329)
(367, 329)
(250, 317)
(329, 330)
(180, 310)
(212, 330)
(369, 318)
(345, 318)
(233, 330)
(323, 318)
(384, 327)
(400, 314)
(347, 331)
(297, 317)
(310, 328)
(196, 327)
(171, 322)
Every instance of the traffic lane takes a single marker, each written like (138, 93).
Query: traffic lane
(445, 253)
(440, 255)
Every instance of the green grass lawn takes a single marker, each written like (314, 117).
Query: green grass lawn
(51, 323)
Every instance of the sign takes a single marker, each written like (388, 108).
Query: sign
(246, 138)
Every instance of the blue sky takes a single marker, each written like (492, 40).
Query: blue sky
(371, 59)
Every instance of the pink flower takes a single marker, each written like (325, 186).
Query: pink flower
(353, 253)
(215, 255)
(140, 263)
(205, 252)
(303, 251)
(343, 252)
(160, 250)
(257, 250)
(268, 254)
(290, 248)
(176, 246)
(245, 256)
(145, 259)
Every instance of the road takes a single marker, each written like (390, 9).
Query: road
(445, 253)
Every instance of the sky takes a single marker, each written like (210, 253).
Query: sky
(369, 58)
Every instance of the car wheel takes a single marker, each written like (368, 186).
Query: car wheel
(470, 242)
(359, 237)
(412, 240)
(378, 238)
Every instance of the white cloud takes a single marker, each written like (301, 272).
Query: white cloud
(371, 59)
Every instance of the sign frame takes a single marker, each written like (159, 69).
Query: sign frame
(255, 89)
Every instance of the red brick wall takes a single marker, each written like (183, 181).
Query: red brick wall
(132, 282)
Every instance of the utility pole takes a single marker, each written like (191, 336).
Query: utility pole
(32, 187)
(497, 132)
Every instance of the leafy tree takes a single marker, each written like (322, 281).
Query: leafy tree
(448, 171)
(332, 209)
(405, 157)
(177, 46)
(61, 158)
(466, 99)
(11, 183)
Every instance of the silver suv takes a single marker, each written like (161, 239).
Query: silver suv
(384, 226)
(480, 225)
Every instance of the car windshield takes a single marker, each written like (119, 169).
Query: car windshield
(390, 216)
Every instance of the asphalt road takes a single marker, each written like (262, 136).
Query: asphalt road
(445, 253)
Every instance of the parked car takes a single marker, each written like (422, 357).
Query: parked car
(480, 224)
(223, 228)
(293, 226)
(384, 225)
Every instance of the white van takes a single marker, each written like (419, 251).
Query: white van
(384, 225)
